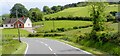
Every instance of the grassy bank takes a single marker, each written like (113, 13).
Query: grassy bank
(92, 46)
(10, 45)
(78, 11)
(13, 47)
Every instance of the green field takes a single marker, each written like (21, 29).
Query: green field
(78, 11)
(14, 32)
(48, 25)
(112, 26)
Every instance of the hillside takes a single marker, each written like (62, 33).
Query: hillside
(79, 11)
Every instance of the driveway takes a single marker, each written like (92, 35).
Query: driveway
(31, 30)
(48, 47)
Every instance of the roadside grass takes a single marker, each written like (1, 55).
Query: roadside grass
(9, 46)
(78, 11)
(12, 46)
(48, 25)
(21, 49)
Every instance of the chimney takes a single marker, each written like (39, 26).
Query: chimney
(23, 17)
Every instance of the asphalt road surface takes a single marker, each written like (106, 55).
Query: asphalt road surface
(48, 47)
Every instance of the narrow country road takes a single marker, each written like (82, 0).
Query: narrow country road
(48, 47)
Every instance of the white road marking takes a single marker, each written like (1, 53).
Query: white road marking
(42, 42)
(54, 53)
(46, 44)
(26, 48)
(50, 48)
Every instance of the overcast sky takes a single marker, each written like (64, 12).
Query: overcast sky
(6, 5)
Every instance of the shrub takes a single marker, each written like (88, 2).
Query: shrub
(69, 28)
(75, 27)
(35, 35)
(53, 31)
(70, 18)
(52, 35)
(61, 29)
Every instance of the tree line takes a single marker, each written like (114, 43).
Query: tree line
(54, 9)
(58, 8)
(35, 14)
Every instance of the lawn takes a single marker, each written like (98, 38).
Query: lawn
(48, 25)
(10, 32)
(79, 11)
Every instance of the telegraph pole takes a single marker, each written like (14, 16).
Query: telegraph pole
(53, 25)
(18, 26)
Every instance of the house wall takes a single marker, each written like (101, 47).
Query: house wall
(18, 22)
(8, 26)
(28, 23)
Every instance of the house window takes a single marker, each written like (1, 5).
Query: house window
(28, 24)
(6, 25)
(20, 24)
(11, 25)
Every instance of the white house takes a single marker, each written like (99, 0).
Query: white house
(20, 22)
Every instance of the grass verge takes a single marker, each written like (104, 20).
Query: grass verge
(19, 51)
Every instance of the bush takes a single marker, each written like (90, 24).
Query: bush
(69, 28)
(61, 29)
(35, 35)
(70, 18)
(52, 35)
(53, 31)
(75, 27)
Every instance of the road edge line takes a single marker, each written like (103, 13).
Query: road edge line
(26, 48)
(74, 47)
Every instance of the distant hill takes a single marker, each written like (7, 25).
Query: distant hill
(78, 11)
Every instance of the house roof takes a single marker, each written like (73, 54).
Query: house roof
(13, 20)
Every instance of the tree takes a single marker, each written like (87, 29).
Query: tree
(6, 15)
(22, 11)
(97, 12)
(47, 10)
(35, 14)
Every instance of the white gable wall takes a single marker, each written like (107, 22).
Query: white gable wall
(28, 23)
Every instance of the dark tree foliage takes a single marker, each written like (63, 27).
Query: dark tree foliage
(58, 8)
(35, 14)
(21, 10)
(47, 10)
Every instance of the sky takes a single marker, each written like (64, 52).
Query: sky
(6, 5)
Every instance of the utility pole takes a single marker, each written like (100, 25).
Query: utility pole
(18, 26)
(53, 25)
